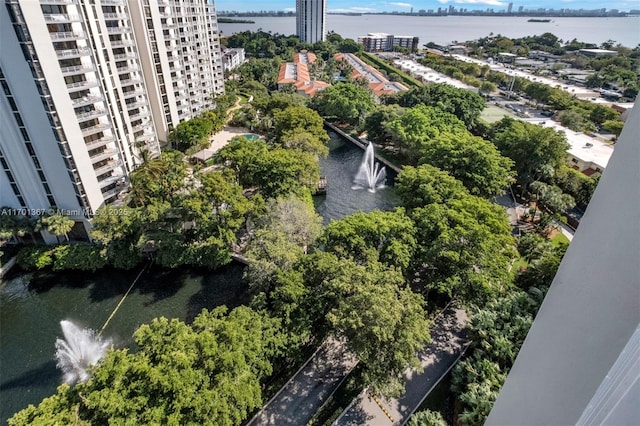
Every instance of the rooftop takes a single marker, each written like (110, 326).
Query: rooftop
(584, 147)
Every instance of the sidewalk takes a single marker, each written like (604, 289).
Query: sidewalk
(298, 400)
(448, 343)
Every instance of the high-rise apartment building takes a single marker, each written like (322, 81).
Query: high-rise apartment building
(310, 20)
(88, 86)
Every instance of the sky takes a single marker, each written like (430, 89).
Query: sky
(406, 5)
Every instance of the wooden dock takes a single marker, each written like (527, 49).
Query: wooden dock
(357, 142)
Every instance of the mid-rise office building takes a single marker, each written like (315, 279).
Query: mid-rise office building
(88, 86)
(310, 20)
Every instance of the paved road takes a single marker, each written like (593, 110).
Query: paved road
(304, 394)
(448, 342)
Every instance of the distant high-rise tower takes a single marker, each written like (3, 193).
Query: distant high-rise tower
(310, 20)
(510, 8)
(87, 87)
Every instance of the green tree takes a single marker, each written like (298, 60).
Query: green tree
(572, 119)
(348, 102)
(208, 373)
(600, 113)
(464, 248)
(475, 162)
(613, 126)
(58, 225)
(537, 151)
(390, 235)
(297, 119)
(383, 321)
(191, 133)
(413, 129)
(462, 103)
(427, 418)
(426, 184)
(374, 123)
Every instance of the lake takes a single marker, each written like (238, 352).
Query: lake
(448, 29)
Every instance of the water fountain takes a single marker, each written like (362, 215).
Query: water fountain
(79, 350)
(370, 175)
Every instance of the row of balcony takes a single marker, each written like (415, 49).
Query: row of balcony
(118, 30)
(114, 16)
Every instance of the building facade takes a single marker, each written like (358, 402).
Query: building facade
(232, 57)
(84, 93)
(310, 20)
(383, 42)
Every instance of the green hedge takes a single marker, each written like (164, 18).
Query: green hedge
(80, 257)
(378, 63)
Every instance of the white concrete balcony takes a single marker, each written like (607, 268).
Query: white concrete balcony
(130, 81)
(98, 143)
(140, 127)
(84, 116)
(128, 68)
(87, 100)
(118, 30)
(124, 56)
(77, 69)
(145, 137)
(73, 53)
(82, 85)
(115, 192)
(107, 153)
(61, 18)
(107, 167)
(121, 43)
(110, 180)
(115, 16)
(113, 2)
(67, 35)
(135, 92)
(56, 1)
(139, 115)
(136, 104)
(99, 127)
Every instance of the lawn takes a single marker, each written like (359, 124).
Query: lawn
(559, 239)
(492, 113)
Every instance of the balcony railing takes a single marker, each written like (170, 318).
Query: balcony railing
(67, 35)
(124, 56)
(110, 180)
(73, 53)
(77, 69)
(121, 43)
(82, 85)
(107, 153)
(61, 17)
(139, 115)
(113, 2)
(113, 16)
(95, 129)
(128, 68)
(118, 30)
(98, 143)
(130, 81)
(136, 104)
(84, 116)
(135, 92)
(107, 167)
(140, 127)
(87, 100)
(56, 1)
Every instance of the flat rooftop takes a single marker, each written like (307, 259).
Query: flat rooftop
(597, 153)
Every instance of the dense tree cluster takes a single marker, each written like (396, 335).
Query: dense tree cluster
(206, 373)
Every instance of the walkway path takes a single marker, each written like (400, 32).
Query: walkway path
(448, 343)
(302, 396)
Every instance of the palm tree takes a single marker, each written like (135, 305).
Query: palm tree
(58, 224)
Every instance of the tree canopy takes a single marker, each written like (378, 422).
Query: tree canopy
(348, 102)
(208, 373)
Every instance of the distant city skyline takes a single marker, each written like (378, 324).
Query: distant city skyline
(360, 6)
